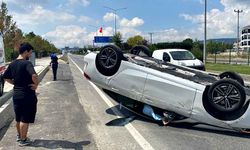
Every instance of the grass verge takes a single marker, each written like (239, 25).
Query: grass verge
(242, 69)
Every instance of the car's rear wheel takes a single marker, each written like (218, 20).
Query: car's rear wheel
(232, 75)
(108, 60)
(226, 96)
(140, 50)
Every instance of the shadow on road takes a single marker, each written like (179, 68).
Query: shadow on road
(133, 115)
(222, 131)
(54, 144)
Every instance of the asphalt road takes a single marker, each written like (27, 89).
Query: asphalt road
(142, 133)
(61, 121)
(73, 112)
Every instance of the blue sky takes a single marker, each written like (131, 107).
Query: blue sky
(76, 22)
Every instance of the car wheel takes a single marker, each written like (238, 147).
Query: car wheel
(108, 60)
(140, 50)
(232, 75)
(226, 96)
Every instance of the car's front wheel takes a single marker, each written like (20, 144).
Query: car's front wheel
(108, 60)
(226, 96)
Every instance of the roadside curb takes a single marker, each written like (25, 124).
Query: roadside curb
(6, 108)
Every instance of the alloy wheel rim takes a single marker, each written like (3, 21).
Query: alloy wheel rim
(108, 58)
(226, 96)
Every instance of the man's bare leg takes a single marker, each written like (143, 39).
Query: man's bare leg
(18, 128)
(24, 130)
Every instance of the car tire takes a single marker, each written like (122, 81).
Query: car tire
(226, 96)
(108, 60)
(137, 49)
(232, 75)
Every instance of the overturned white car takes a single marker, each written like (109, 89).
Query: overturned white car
(195, 95)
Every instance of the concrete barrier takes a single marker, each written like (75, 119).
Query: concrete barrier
(6, 103)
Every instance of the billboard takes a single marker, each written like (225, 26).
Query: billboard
(103, 39)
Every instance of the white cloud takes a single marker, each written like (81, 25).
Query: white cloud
(129, 32)
(73, 35)
(135, 22)
(110, 17)
(67, 36)
(85, 19)
(239, 4)
(222, 23)
(38, 15)
(26, 1)
(81, 2)
(168, 35)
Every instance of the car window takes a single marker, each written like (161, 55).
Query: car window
(182, 55)
(166, 57)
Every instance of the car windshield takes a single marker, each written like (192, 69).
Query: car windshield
(182, 55)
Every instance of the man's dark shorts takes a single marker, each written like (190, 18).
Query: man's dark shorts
(25, 108)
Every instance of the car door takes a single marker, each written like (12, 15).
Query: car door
(169, 92)
(129, 81)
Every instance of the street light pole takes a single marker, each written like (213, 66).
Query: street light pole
(115, 12)
(151, 35)
(205, 33)
(238, 27)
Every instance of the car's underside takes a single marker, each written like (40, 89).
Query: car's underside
(179, 71)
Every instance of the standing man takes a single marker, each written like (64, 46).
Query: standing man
(22, 75)
(54, 65)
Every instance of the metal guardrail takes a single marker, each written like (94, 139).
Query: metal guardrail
(6, 108)
(6, 96)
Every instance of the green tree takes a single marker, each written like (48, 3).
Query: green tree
(187, 43)
(41, 46)
(12, 36)
(117, 39)
(196, 50)
(136, 40)
(6, 22)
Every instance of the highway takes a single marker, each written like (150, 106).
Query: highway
(73, 112)
(178, 136)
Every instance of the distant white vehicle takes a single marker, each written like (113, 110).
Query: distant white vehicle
(179, 57)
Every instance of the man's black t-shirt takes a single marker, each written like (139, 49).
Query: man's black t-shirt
(21, 72)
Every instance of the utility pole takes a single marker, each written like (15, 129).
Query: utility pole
(115, 10)
(205, 33)
(151, 35)
(238, 27)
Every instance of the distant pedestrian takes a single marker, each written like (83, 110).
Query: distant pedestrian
(54, 65)
(22, 75)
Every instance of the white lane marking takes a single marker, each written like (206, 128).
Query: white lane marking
(136, 135)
